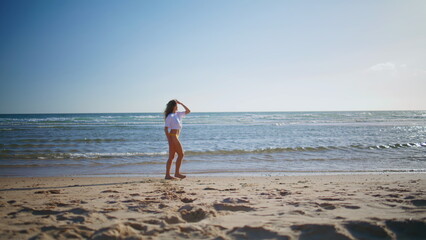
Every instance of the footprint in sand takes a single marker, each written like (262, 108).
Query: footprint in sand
(297, 212)
(154, 222)
(351, 207)
(419, 203)
(407, 229)
(284, 192)
(60, 204)
(366, 230)
(116, 231)
(78, 202)
(53, 191)
(312, 231)
(108, 210)
(331, 199)
(162, 205)
(79, 211)
(64, 232)
(187, 200)
(67, 217)
(249, 232)
(173, 219)
(109, 191)
(327, 206)
(169, 195)
(190, 229)
(235, 200)
(232, 207)
(194, 214)
(41, 212)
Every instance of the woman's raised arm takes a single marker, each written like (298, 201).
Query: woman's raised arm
(187, 111)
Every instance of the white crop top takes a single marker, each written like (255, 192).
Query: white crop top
(174, 120)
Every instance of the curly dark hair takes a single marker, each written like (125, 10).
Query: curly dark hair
(169, 108)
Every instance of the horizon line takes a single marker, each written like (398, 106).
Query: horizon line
(278, 111)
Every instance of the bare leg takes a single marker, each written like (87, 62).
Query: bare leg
(179, 150)
(170, 160)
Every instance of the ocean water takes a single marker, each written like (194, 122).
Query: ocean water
(243, 143)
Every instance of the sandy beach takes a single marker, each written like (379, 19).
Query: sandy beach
(379, 206)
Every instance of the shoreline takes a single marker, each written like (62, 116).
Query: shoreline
(342, 206)
(229, 174)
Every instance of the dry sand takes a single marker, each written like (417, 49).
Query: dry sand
(380, 206)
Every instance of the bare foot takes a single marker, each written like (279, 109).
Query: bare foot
(180, 176)
(170, 178)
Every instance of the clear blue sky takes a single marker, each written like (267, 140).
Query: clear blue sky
(134, 56)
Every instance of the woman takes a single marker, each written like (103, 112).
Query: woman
(173, 126)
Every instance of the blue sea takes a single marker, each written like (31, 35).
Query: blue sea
(217, 143)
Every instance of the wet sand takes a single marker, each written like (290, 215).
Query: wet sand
(378, 206)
